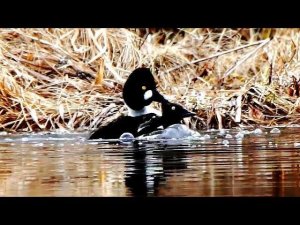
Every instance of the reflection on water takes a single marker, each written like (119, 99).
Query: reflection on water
(148, 170)
(264, 164)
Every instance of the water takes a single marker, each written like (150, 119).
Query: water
(256, 164)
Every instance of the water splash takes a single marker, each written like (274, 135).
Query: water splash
(126, 138)
(239, 135)
(225, 142)
(275, 131)
(228, 136)
(257, 131)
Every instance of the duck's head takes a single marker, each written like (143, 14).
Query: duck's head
(140, 89)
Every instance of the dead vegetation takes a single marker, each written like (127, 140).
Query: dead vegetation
(72, 78)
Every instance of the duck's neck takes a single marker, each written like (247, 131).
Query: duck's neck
(143, 111)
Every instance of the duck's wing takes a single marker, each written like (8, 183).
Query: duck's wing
(122, 124)
(113, 130)
(149, 126)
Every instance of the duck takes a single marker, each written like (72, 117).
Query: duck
(138, 93)
(169, 125)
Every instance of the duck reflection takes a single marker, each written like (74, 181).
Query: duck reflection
(150, 168)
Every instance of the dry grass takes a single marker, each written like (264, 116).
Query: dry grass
(72, 78)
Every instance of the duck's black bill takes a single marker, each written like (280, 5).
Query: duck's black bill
(158, 97)
(188, 114)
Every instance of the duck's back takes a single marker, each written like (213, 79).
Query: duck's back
(119, 126)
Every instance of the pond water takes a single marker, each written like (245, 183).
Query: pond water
(219, 163)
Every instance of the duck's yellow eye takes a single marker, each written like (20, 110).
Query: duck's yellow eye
(144, 87)
(173, 108)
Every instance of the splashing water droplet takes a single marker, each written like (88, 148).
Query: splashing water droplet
(245, 132)
(202, 138)
(228, 136)
(225, 142)
(239, 135)
(126, 137)
(222, 132)
(207, 136)
(8, 139)
(257, 131)
(297, 144)
(38, 144)
(275, 131)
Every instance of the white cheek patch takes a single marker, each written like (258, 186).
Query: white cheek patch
(148, 94)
